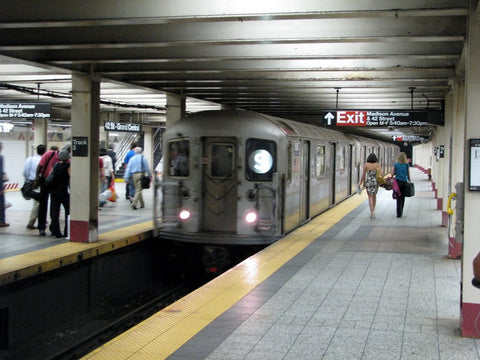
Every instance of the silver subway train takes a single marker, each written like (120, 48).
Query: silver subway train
(243, 178)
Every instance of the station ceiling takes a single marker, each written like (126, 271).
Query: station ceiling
(292, 59)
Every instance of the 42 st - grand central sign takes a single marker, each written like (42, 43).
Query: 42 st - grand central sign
(382, 118)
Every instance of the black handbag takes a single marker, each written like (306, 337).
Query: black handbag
(409, 189)
(28, 192)
(145, 179)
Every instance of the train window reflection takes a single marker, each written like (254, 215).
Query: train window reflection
(260, 157)
(221, 164)
(179, 158)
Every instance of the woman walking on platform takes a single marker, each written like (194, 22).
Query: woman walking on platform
(401, 170)
(369, 178)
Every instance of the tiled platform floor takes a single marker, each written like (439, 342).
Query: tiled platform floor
(366, 289)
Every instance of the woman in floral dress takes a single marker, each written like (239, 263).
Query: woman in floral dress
(369, 178)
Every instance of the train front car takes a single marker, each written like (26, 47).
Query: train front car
(220, 182)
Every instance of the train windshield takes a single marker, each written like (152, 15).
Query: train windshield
(221, 165)
(179, 158)
(260, 157)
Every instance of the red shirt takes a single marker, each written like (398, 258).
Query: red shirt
(47, 161)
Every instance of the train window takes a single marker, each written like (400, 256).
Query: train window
(341, 158)
(221, 164)
(260, 156)
(179, 158)
(320, 170)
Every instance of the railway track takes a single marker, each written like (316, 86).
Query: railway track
(90, 342)
(87, 333)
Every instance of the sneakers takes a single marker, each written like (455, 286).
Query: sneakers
(4, 224)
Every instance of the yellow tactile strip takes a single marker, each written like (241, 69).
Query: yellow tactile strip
(163, 333)
(36, 262)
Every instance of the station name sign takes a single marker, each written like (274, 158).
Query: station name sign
(24, 110)
(381, 118)
(125, 127)
(409, 138)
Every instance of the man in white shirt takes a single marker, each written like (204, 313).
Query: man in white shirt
(29, 173)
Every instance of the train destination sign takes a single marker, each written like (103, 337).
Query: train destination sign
(22, 110)
(381, 118)
(125, 127)
(409, 138)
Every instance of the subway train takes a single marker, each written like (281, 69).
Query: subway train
(235, 177)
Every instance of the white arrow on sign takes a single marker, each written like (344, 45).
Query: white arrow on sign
(329, 117)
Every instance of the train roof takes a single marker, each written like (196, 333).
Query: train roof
(217, 122)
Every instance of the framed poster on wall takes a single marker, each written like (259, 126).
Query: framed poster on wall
(474, 180)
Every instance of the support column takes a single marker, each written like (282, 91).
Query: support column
(148, 145)
(40, 131)
(470, 297)
(85, 164)
(455, 238)
(175, 108)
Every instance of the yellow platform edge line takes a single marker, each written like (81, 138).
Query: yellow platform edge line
(22, 266)
(179, 322)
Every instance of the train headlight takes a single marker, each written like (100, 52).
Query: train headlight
(184, 214)
(251, 217)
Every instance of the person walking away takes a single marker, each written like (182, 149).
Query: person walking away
(401, 171)
(3, 223)
(136, 167)
(369, 179)
(107, 169)
(29, 173)
(129, 188)
(60, 194)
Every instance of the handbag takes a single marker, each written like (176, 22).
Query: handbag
(409, 189)
(145, 179)
(380, 178)
(28, 192)
(388, 183)
(113, 197)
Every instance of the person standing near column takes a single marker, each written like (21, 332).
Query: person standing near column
(60, 194)
(29, 173)
(45, 165)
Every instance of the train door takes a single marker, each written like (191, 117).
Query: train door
(333, 171)
(219, 184)
(350, 169)
(305, 181)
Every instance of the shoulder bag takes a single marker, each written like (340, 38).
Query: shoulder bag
(380, 178)
(145, 179)
(409, 189)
